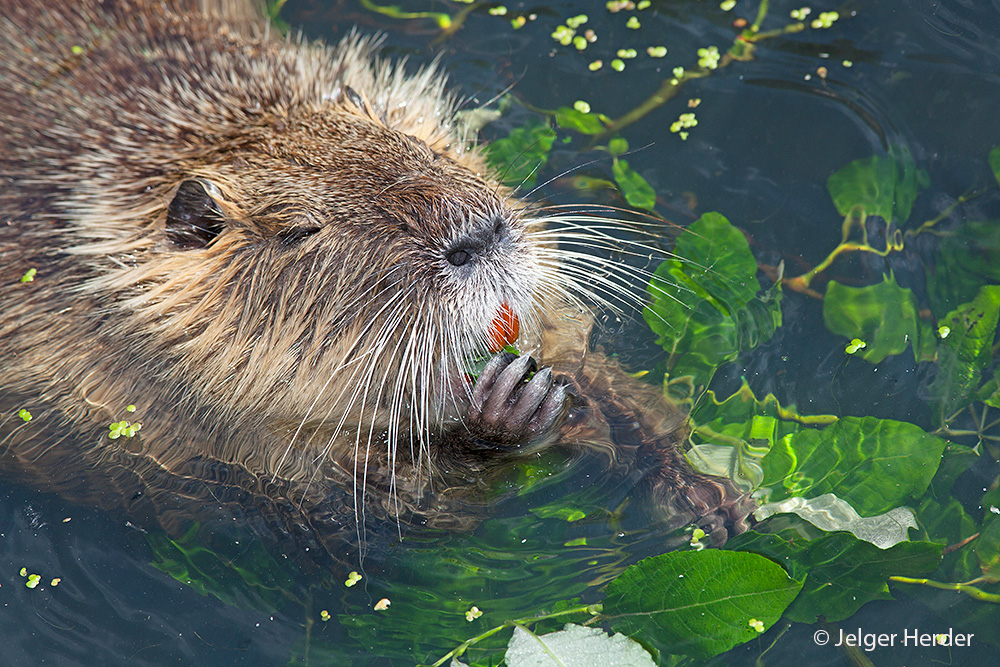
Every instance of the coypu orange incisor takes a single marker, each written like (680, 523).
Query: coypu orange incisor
(284, 255)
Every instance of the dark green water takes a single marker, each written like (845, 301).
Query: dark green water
(771, 130)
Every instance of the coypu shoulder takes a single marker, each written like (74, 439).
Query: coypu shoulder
(283, 255)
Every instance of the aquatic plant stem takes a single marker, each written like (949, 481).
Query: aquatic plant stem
(853, 653)
(457, 21)
(592, 609)
(741, 50)
(855, 218)
(761, 13)
(443, 20)
(929, 224)
(966, 588)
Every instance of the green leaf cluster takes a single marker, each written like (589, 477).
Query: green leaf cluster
(875, 466)
(956, 330)
(519, 156)
(705, 304)
(522, 155)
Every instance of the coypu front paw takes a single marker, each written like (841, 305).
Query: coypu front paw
(713, 504)
(514, 402)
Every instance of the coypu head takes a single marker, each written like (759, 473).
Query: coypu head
(311, 263)
(342, 255)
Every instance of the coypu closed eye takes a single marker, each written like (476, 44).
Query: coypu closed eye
(294, 235)
(193, 218)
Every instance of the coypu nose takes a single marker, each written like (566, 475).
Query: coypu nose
(459, 257)
(478, 243)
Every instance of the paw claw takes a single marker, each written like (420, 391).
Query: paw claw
(503, 391)
(550, 412)
(507, 408)
(532, 395)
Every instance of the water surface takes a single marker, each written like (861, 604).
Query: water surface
(771, 130)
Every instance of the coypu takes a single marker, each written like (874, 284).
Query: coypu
(284, 255)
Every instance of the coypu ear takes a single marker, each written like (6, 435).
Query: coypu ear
(194, 218)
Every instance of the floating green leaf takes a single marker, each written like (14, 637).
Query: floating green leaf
(841, 572)
(699, 603)
(584, 123)
(874, 464)
(519, 156)
(704, 304)
(637, 191)
(885, 186)
(884, 315)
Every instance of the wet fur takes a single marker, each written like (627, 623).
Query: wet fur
(307, 361)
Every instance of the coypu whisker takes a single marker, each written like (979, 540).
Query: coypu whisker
(526, 196)
(350, 359)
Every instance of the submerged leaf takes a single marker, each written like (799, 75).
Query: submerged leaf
(947, 522)
(874, 464)
(966, 259)
(732, 436)
(966, 352)
(740, 415)
(884, 315)
(699, 603)
(885, 186)
(955, 460)
(250, 577)
(740, 464)
(841, 572)
(988, 543)
(994, 159)
(574, 646)
(830, 513)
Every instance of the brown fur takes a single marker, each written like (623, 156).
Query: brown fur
(314, 348)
